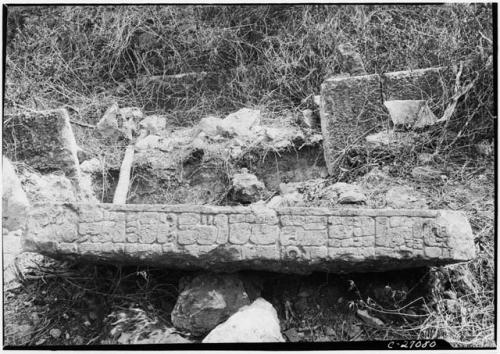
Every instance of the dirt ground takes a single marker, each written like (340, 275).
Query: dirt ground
(61, 303)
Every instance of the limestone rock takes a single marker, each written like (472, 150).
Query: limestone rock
(282, 137)
(149, 142)
(246, 187)
(15, 204)
(348, 193)
(45, 141)
(153, 124)
(48, 188)
(382, 138)
(351, 60)
(108, 124)
(91, 166)
(208, 300)
(370, 320)
(209, 125)
(256, 323)
(218, 238)
(317, 100)
(239, 123)
(350, 107)
(405, 197)
(134, 113)
(410, 113)
(426, 173)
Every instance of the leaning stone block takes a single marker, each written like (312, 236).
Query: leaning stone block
(351, 108)
(345, 240)
(434, 85)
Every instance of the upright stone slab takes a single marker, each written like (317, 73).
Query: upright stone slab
(291, 240)
(434, 85)
(44, 140)
(351, 108)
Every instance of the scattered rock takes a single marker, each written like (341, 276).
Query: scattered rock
(293, 336)
(91, 166)
(275, 202)
(51, 188)
(209, 125)
(256, 323)
(348, 193)
(383, 138)
(329, 331)
(425, 158)
(15, 204)
(286, 188)
(410, 113)
(108, 124)
(281, 137)
(55, 333)
(208, 300)
(149, 142)
(246, 187)
(405, 197)
(133, 113)
(426, 173)
(153, 124)
(351, 197)
(239, 123)
(369, 320)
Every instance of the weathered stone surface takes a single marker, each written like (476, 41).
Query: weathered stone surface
(430, 84)
(410, 113)
(207, 300)
(295, 239)
(246, 187)
(351, 107)
(47, 141)
(15, 203)
(239, 123)
(256, 323)
(404, 197)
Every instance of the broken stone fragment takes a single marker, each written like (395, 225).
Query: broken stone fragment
(133, 113)
(15, 204)
(370, 320)
(246, 187)
(348, 193)
(108, 124)
(256, 323)
(410, 113)
(91, 166)
(239, 123)
(209, 125)
(149, 142)
(153, 124)
(405, 197)
(207, 300)
(351, 60)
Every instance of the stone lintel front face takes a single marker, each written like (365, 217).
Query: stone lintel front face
(291, 240)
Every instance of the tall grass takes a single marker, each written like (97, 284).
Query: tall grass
(268, 55)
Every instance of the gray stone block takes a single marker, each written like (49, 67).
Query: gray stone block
(301, 241)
